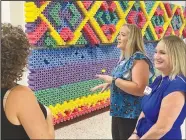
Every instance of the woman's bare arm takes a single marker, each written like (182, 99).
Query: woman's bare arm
(170, 109)
(30, 114)
(140, 78)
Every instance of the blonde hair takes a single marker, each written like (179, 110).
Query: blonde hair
(176, 50)
(135, 41)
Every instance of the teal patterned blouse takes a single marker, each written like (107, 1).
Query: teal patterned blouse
(123, 104)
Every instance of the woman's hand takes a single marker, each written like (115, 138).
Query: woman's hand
(134, 137)
(103, 86)
(106, 78)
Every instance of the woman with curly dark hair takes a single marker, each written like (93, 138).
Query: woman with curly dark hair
(23, 117)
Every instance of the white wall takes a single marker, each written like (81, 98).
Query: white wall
(13, 12)
(182, 3)
(5, 11)
(17, 13)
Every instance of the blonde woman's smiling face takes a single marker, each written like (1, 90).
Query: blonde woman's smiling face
(161, 58)
(123, 38)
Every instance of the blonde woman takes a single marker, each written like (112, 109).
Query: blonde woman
(164, 108)
(128, 81)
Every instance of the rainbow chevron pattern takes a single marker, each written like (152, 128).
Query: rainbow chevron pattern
(75, 40)
(59, 23)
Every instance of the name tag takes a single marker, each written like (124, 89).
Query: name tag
(148, 90)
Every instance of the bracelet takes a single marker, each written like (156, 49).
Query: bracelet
(114, 79)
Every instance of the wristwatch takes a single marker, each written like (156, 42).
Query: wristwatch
(114, 79)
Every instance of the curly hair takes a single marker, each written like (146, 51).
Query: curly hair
(15, 49)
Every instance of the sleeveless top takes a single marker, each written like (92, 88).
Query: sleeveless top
(122, 104)
(162, 87)
(9, 130)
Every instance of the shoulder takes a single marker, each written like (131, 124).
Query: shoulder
(178, 81)
(20, 90)
(19, 99)
(21, 94)
(138, 58)
(141, 56)
(177, 84)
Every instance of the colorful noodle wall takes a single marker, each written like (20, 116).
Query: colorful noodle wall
(74, 41)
